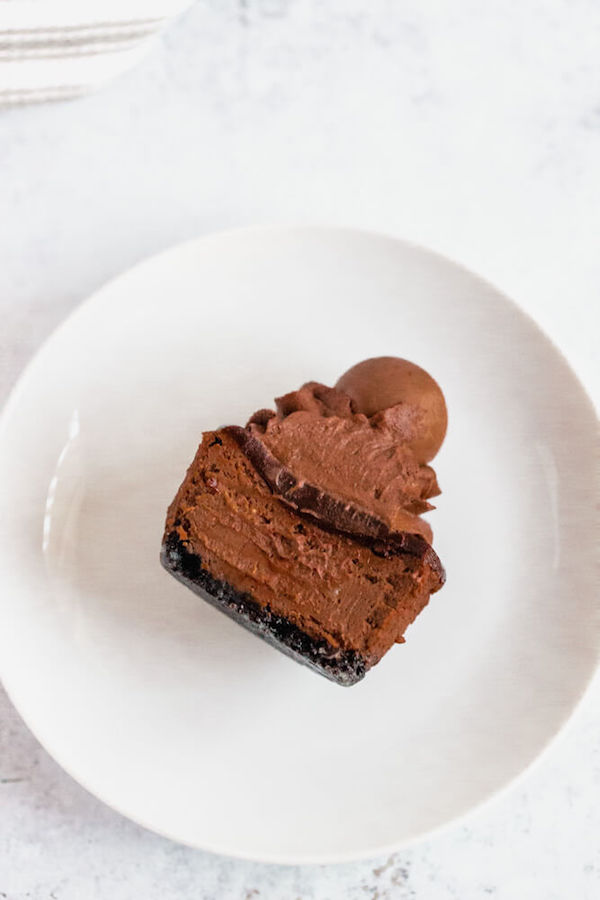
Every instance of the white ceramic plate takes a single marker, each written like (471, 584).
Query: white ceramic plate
(173, 714)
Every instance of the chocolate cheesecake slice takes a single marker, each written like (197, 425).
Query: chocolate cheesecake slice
(305, 525)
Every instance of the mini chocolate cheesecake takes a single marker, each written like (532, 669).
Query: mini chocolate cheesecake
(305, 526)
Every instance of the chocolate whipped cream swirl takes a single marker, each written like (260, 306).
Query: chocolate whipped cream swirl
(354, 473)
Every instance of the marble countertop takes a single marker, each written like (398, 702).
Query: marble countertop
(472, 128)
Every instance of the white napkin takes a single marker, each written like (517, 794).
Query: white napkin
(56, 49)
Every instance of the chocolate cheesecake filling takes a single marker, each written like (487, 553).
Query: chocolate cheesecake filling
(358, 595)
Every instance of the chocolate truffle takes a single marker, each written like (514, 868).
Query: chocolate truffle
(406, 395)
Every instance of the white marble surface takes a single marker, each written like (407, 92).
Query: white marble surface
(473, 128)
